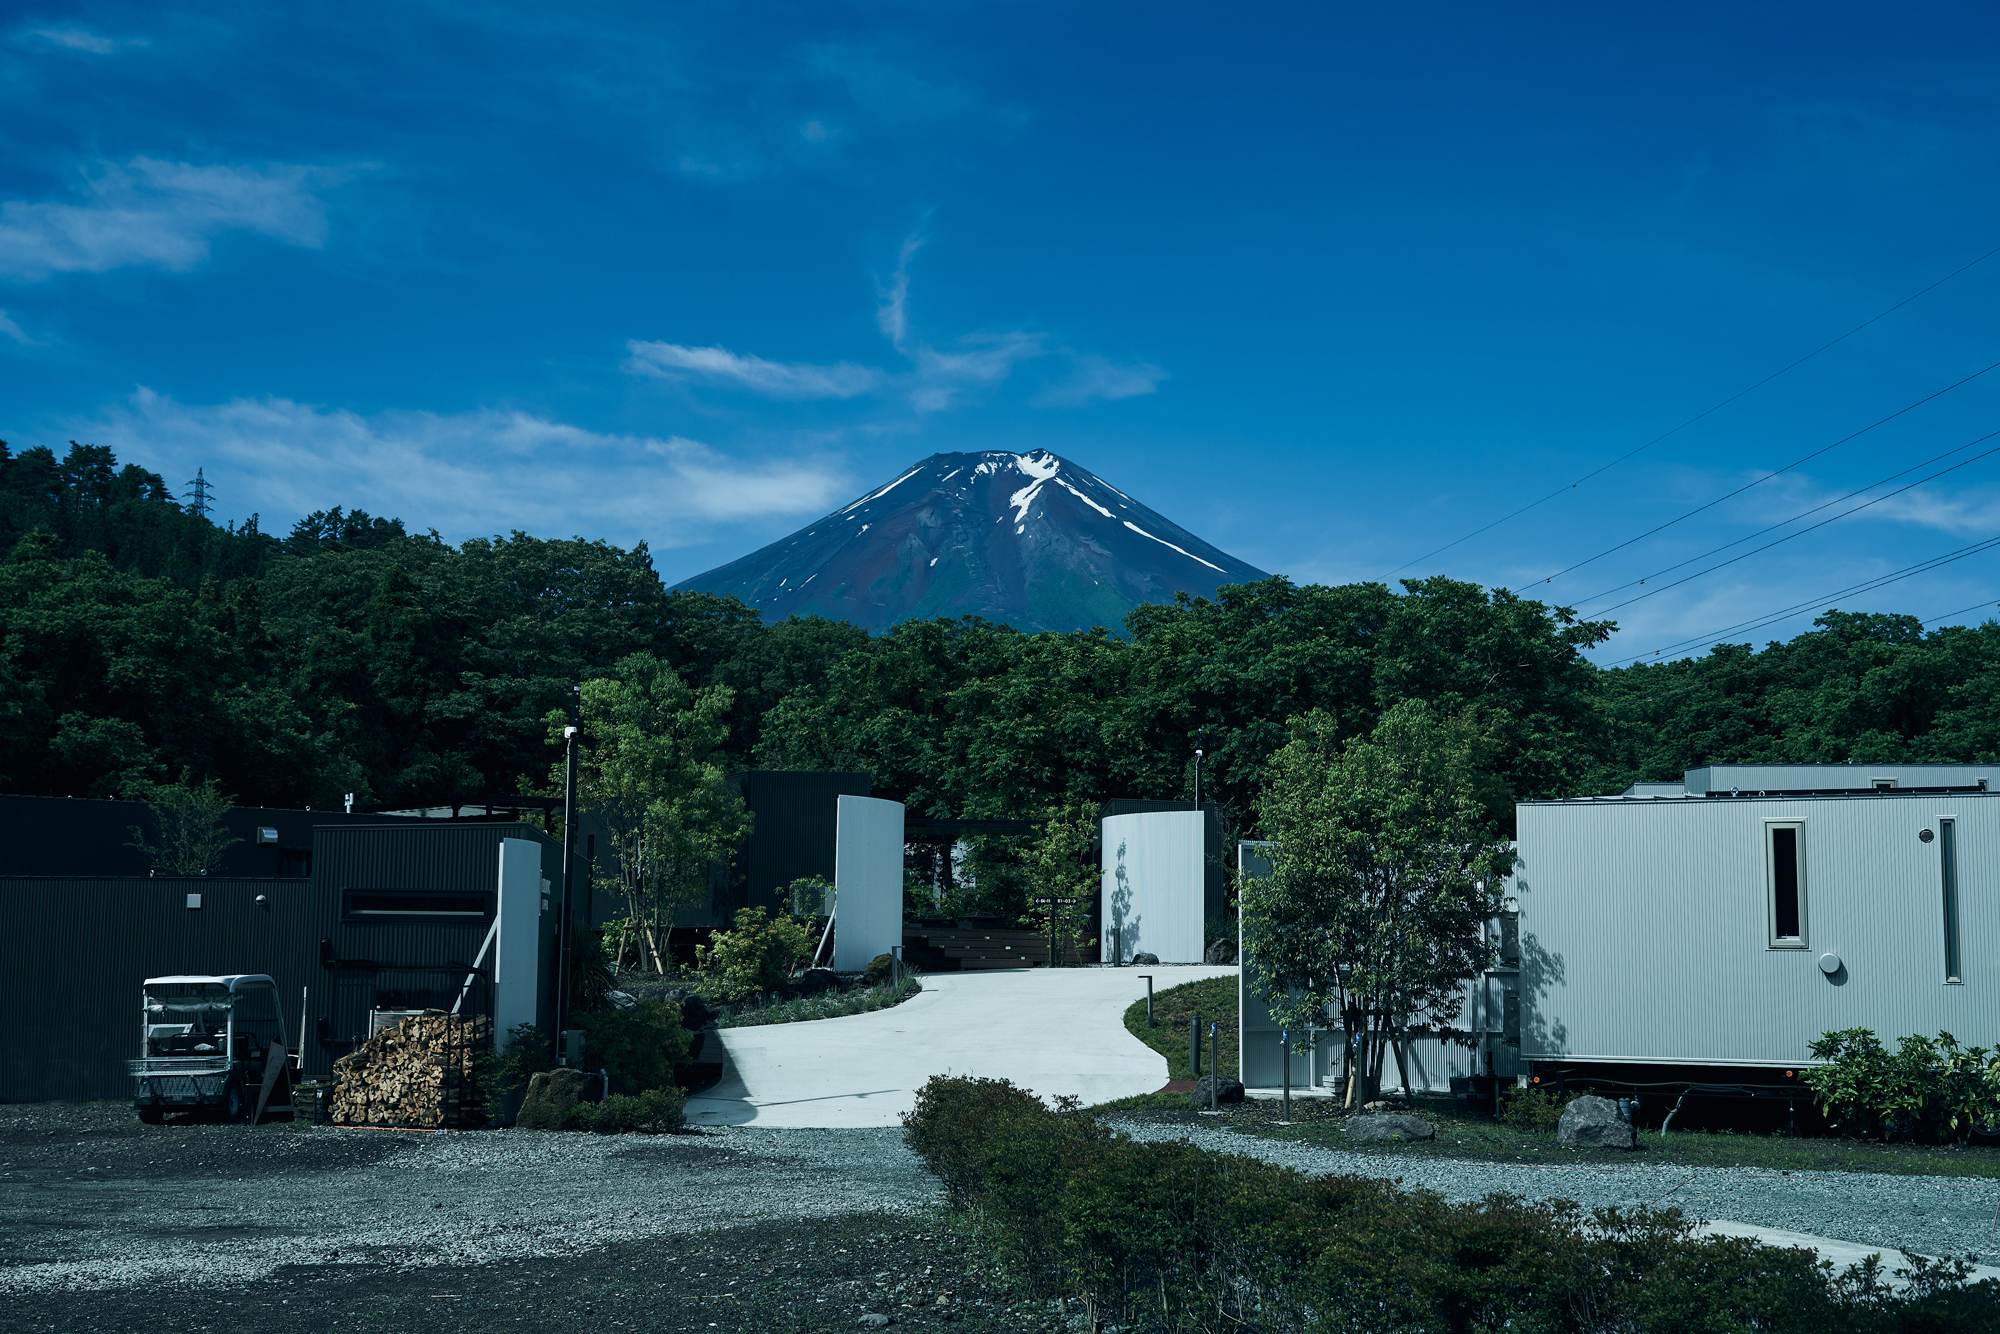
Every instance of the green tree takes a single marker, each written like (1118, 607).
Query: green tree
(1059, 865)
(190, 819)
(649, 766)
(1386, 865)
(759, 955)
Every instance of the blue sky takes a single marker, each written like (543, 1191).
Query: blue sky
(1330, 285)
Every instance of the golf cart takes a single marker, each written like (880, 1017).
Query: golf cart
(213, 1044)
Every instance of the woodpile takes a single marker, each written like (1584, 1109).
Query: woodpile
(418, 1074)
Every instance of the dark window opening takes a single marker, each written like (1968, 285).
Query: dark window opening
(1787, 886)
(1948, 854)
(393, 904)
(1510, 937)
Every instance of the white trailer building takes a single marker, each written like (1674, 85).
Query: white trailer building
(1729, 920)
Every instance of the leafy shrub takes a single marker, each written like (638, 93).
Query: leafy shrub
(639, 1046)
(502, 1077)
(1928, 1089)
(1534, 1110)
(1171, 1237)
(656, 1111)
(758, 955)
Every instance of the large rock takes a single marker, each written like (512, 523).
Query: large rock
(1226, 1090)
(1388, 1126)
(813, 981)
(1145, 959)
(551, 1096)
(1594, 1123)
(1222, 951)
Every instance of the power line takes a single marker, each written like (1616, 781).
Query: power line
(1706, 412)
(1805, 458)
(1771, 619)
(1751, 537)
(1960, 612)
(1809, 528)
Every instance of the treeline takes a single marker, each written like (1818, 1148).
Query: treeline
(139, 641)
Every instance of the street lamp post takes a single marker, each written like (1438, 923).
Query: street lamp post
(564, 927)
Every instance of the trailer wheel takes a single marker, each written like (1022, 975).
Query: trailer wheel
(152, 1116)
(233, 1106)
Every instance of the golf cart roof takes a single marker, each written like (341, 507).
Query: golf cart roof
(232, 983)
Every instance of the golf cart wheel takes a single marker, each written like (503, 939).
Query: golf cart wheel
(234, 1106)
(152, 1116)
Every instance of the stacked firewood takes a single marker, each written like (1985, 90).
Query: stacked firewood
(418, 1074)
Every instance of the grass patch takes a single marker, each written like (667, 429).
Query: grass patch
(1462, 1133)
(1213, 999)
(826, 1005)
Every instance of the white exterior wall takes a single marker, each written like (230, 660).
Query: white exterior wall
(517, 952)
(1645, 937)
(867, 881)
(1153, 889)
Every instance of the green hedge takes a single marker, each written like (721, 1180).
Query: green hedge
(1174, 1238)
(1928, 1089)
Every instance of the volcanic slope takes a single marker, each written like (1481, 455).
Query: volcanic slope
(1030, 540)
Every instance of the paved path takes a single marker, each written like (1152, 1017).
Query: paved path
(1055, 1031)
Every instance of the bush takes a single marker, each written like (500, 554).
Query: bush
(639, 1046)
(1928, 1089)
(758, 956)
(1534, 1110)
(1175, 1238)
(503, 1077)
(656, 1111)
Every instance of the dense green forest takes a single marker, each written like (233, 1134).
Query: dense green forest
(139, 641)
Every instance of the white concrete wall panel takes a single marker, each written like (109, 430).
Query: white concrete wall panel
(867, 881)
(1644, 934)
(1153, 886)
(517, 953)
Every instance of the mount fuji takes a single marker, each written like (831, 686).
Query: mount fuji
(1030, 540)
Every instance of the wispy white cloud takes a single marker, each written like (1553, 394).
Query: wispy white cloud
(937, 378)
(160, 214)
(82, 39)
(1099, 378)
(467, 474)
(9, 329)
(776, 379)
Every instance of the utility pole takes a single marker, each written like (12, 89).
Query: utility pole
(198, 502)
(565, 930)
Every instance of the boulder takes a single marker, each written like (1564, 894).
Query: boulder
(875, 1320)
(1377, 1127)
(1222, 951)
(1144, 960)
(1594, 1123)
(621, 1000)
(1227, 1090)
(551, 1095)
(815, 980)
(878, 969)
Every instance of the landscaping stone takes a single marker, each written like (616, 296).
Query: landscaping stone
(1380, 1127)
(1222, 951)
(1145, 960)
(874, 1320)
(878, 968)
(1227, 1091)
(551, 1095)
(1594, 1123)
(813, 981)
(623, 1000)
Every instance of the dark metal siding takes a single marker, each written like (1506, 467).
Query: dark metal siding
(796, 823)
(358, 966)
(74, 951)
(55, 836)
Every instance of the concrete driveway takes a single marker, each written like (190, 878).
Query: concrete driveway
(1055, 1031)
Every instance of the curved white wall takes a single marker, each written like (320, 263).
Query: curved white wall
(867, 881)
(1153, 886)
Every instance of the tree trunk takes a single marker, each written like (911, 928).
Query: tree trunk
(1402, 1070)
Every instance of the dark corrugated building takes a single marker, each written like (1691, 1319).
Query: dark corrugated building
(392, 917)
(62, 836)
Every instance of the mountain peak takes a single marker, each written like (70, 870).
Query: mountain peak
(1031, 540)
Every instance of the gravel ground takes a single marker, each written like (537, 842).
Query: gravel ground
(1930, 1215)
(89, 1198)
